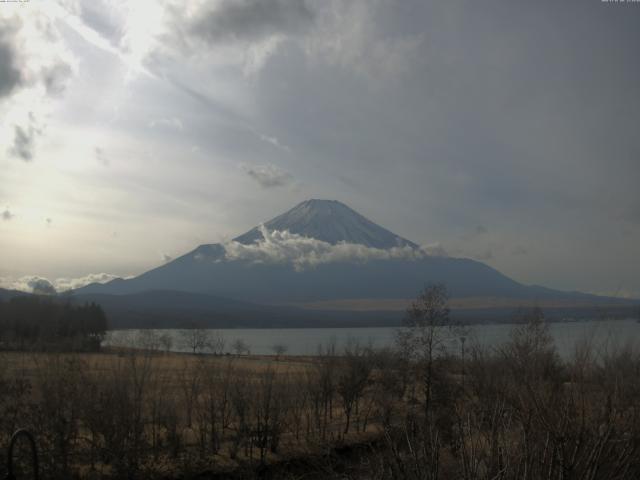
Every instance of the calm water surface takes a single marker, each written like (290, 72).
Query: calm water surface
(305, 341)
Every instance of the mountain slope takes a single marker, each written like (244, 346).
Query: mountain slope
(8, 294)
(204, 271)
(210, 270)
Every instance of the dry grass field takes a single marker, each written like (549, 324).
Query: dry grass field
(28, 363)
(157, 414)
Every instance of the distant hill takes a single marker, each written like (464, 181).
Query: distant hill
(6, 294)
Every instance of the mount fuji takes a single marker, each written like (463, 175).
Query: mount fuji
(322, 257)
(329, 221)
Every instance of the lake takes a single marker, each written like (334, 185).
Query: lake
(305, 341)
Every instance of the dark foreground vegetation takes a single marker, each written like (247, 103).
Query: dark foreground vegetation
(45, 323)
(517, 412)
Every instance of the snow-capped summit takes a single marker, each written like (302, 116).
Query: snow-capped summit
(330, 221)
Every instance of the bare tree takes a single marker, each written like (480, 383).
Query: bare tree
(427, 327)
(196, 339)
(217, 343)
(213, 405)
(321, 384)
(279, 349)
(390, 383)
(352, 380)
(120, 413)
(240, 402)
(240, 347)
(299, 405)
(166, 340)
(148, 340)
(56, 414)
(190, 381)
(531, 351)
(267, 402)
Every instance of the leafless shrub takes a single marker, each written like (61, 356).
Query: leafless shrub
(267, 412)
(213, 405)
(15, 392)
(240, 347)
(56, 412)
(166, 341)
(190, 382)
(148, 340)
(425, 336)
(353, 377)
(391, 380)
(198, 340)
(240, 399)
(279, 349)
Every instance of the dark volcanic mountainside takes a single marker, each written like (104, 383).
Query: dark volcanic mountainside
(208, 270)
(203, 272)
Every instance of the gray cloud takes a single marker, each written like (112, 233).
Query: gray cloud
(632, 215)
(474, 252)
(19, 68)
(24, 142)
(434, 250)
(34, 66)
(56, 77)
(101, 156)
(269, 176)
(171, 122)
(10, 76)
(7, 215)
(104, 19)
(484, 255)
(519, 250)
(274, 141)
(250, 20)
(41, 286)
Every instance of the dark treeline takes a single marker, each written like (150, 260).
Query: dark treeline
(33, 322)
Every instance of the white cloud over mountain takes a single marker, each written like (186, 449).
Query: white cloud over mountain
(41, 285)
(305, 252)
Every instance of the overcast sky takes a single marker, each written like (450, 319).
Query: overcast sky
(506, 131)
